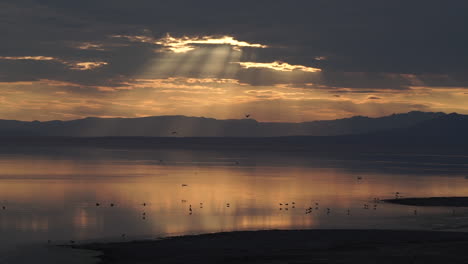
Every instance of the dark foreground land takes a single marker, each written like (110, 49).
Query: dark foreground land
(432, 201)
(301, 246)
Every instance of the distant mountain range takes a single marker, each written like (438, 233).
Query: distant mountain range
(448, 129)
(412, 124)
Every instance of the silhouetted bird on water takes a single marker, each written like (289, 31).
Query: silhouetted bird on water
(247, 115)
(144, 204)
(184, 185)
(72, 241)
(3, 207)
(359, 178)
(97, 204)
(174, 133)
(228, 205)
(112, 205)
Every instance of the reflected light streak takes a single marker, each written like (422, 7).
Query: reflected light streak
(67, 209)
(254, 193)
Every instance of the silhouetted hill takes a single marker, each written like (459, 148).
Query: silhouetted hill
(164, 126)
(446, 129)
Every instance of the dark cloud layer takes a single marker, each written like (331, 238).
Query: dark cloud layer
(411, 37)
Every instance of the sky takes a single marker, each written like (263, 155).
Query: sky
(280, 61)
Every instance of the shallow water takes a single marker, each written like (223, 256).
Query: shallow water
(53, 197)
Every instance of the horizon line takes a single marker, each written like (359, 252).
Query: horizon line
(228, 119)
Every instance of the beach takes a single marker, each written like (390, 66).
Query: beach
(293, 246)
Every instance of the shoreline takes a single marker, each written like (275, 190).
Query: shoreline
(292, 246)
(431, 201)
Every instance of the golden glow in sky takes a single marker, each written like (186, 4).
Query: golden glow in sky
(73, 65)
(279, 66)
(185, 43)
(84, 66)
(36, 58)
(213, 97)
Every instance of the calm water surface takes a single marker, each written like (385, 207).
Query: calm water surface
(54, 198)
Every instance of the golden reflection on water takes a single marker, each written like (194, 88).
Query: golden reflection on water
(57, 198)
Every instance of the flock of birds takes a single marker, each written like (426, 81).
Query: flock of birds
(366, 206)
(283, 206)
